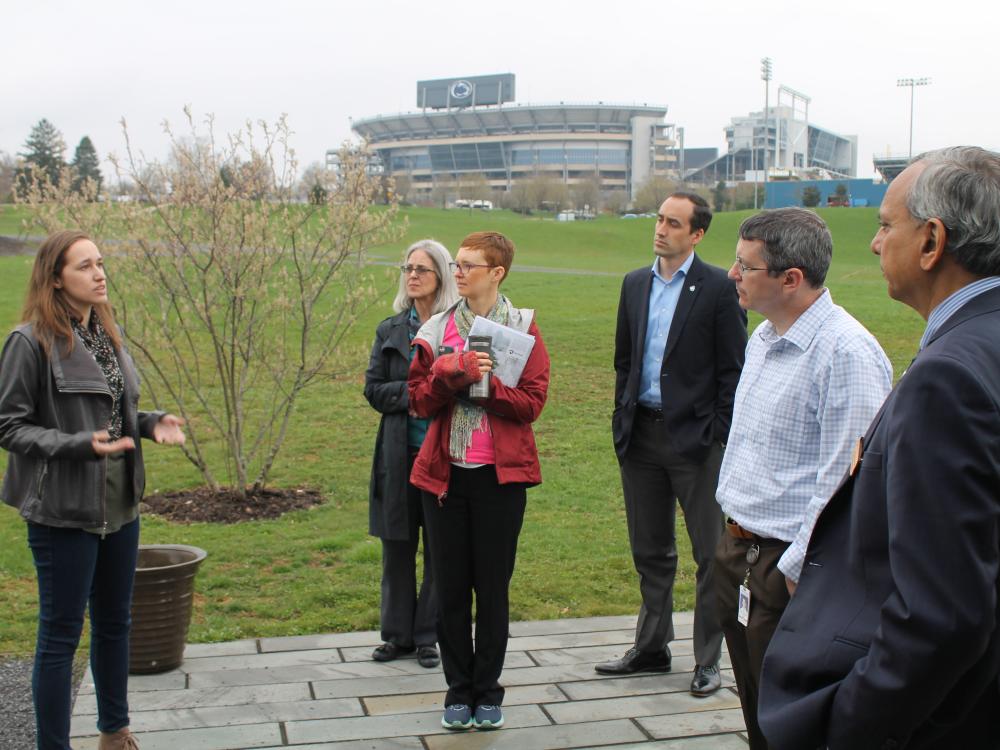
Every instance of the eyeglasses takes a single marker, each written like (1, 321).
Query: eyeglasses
(467, 268)
(418, 270)
(744, 268)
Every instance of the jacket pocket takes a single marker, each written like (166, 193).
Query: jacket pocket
(843, 654)
(43, 472)
(72, 492)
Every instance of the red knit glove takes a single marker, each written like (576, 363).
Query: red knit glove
(458, 369)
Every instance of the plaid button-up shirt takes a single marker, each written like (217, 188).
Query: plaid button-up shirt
(803, 401)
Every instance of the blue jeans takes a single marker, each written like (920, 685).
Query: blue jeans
(75, 568)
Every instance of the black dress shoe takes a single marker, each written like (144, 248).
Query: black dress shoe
(636, 661)
(706, 681)
(427, 657)
(390, 651)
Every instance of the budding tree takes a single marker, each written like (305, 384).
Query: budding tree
(233, 295)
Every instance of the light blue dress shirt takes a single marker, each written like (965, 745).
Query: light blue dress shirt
(950, 305)
(663, 296)
(803, 401)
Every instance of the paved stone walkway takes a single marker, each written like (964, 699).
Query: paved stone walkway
(323, 692)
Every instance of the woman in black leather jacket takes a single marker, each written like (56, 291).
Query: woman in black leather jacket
(69, 418)
(408, 620)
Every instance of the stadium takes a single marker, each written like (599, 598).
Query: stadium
(470, 130)
(469, 140)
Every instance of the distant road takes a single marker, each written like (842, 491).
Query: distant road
(11, 245)
(535, 269)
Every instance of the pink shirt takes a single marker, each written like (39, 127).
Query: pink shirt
(481, 451)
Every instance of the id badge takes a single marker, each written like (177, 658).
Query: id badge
(743, 610)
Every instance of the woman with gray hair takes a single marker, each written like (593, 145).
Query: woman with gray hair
(408, 620)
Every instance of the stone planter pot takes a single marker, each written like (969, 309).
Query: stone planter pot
(161, 606)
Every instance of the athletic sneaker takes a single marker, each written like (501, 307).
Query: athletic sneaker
(488, 717)
(457, 716)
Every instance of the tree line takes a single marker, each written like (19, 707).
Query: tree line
(44, 157)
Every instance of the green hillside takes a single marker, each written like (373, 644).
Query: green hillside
(316, 571)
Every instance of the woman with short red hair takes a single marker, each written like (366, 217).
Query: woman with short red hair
(474, 468)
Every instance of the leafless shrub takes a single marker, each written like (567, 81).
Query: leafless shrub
(234, 295)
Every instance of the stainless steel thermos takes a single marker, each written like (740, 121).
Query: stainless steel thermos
(481, 344)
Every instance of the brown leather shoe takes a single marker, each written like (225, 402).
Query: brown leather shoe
(636, 661)
(123, 739)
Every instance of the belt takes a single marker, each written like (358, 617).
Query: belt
(739, 532)
(648, 413)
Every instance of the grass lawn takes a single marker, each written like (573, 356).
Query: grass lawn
(318, 570)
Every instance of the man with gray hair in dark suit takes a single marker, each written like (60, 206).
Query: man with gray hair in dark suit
(892, 639)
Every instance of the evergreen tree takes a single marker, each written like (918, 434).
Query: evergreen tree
(720, 195)
(811, 196)
(44, 151)
(86, 165)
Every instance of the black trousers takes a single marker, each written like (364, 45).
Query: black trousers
(473, 541)
(654, 480)
(408, 617)
(768, 599)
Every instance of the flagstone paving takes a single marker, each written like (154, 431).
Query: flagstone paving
(323, 692)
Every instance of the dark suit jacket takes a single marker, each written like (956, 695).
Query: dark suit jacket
(892, 636)
(702, 359)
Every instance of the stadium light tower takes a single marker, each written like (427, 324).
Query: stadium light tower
(765, 76)
(912, 83)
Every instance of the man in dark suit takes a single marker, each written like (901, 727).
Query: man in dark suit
(892, 639)
(678, 354)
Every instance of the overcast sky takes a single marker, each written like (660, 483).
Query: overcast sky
(84, 66)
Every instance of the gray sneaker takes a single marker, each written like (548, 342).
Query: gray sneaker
(457, 716)
(488, 717)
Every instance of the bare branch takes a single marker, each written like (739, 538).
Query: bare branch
(235, 297)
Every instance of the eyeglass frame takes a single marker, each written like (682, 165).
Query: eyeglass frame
(745, 268)
(466, 268)
(409, 269)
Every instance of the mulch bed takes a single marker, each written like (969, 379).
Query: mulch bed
(226, 506)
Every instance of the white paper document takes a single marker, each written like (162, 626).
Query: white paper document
(510, 348)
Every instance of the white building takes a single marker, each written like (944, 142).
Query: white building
(785, 144)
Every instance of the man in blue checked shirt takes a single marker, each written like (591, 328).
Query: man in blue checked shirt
(813, 379)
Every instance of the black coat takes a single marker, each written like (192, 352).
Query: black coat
(894, 631)
(385, 389)
(702, 359)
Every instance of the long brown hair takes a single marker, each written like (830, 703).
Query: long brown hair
(46, 307)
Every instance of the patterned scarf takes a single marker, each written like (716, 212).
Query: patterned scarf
(98, 343)
(466, 418)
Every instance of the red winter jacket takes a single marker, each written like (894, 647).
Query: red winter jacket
(510, 411)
